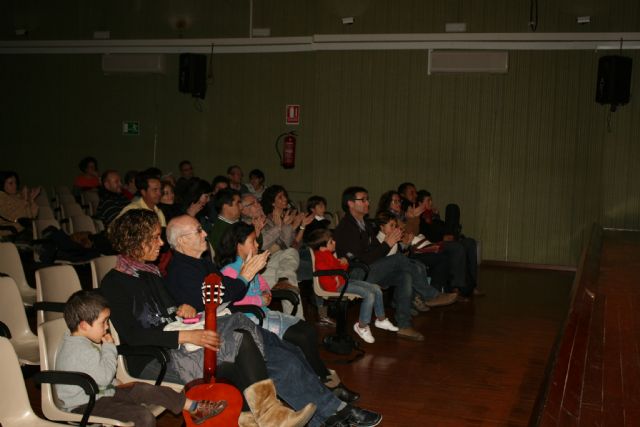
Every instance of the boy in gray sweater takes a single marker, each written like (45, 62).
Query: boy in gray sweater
(89, 348)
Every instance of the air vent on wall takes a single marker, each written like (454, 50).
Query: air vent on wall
(150, 63)
(463, 61)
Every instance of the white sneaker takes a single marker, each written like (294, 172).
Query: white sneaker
(386, 325)
(365, 333)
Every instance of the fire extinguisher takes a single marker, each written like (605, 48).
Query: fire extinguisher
(288, 156)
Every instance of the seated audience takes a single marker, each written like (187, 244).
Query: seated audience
(141, 308)
(356, 238)
(218, 183)
(235, 175)
(16, 206)
(112, 201)
(129, 189)
(89, 178)
(168, 204)
(324, 247)
(186, 170)
(430, 256)
(227, 204)
(237, 247)
(280, 236)
(194, 198)
(88, 347)
(316, 206)
(256, 183)
(462, 252)
(148, 184)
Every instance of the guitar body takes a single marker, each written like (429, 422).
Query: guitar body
(216, 391)
(206, 387)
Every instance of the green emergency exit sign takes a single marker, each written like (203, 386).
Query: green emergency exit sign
(131, 128)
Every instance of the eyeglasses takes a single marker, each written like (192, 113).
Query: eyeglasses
(198, 230)
(362, 199)
(248, 205)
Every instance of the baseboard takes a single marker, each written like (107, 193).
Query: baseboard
(531, 266)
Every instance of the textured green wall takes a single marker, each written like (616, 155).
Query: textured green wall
(527, 155)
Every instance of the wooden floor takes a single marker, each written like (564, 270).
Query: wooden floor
(595, 380)
(482, 362)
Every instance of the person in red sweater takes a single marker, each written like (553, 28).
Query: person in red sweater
(324, 248)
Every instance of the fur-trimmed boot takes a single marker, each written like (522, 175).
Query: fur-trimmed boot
(270, 412)
(247, 420)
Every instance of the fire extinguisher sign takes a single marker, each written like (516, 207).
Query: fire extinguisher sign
(292, 114)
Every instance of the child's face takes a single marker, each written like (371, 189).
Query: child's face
(389, 227)
(319, 209)
(331, 245)
(250, 246)
(98, 328)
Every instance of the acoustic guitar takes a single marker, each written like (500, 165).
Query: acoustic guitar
(206, 387)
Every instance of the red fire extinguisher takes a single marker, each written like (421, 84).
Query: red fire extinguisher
(288, 156)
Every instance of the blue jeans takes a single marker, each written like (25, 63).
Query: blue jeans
(296, 382)
(371, 299)
(407, 276)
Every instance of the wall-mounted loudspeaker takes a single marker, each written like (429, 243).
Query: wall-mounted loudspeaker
(614, 80)
(193, 74)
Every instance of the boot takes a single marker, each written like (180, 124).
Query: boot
(247, 420)
(270, 412)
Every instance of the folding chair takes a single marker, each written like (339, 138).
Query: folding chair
(15, 408)
(55, 284)
(12, 314)
(11, 264)
(50, 335)
(341, 342)
(100, 267)
(39, 225)
(82, 222)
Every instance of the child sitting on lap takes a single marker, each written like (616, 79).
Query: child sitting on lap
(324, 247)
(89, 348)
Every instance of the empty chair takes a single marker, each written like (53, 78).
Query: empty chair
(82, 223)
(91, 199)
(71, 208)
(12, 314)
(100, 267)
(99, 225)
(15, 408)
(62, 190)
(50, 335)
(39, 225)
(43, 198)
(55, 284)
(45, 212)
(11, 264)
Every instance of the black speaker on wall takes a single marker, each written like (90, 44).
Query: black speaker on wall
(193, 74)
(614, 80)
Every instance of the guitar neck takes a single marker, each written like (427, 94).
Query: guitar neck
(210, 323)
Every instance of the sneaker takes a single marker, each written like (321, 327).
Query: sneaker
(323, 317)
(386, 325)
(442, 299)
(419, 305)
(207, 409)
(410, 334)
(364, 333)
(326, 322)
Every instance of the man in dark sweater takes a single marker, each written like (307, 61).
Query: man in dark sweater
(227, 204)
(111, 198)
(356, 239)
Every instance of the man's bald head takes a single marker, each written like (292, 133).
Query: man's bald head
(186, 236)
